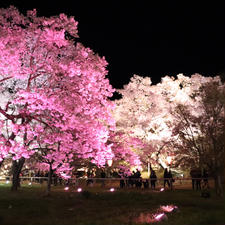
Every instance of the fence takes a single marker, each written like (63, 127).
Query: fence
(175, 183)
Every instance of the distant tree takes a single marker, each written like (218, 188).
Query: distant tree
(143, 112)
(147, 111)
(199, 130)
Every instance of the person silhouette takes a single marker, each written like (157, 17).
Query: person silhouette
(166, 178)
(153, 179)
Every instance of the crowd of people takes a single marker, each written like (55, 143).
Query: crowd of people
(134, 179)
(199, 179)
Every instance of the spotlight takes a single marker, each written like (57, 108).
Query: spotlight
(112, 189)
(162, 189)
(79, 189)
(29, 183)
(161, 216)
(66, 188)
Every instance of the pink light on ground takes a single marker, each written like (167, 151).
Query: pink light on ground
(162, 189)
(168, 208)
(112, 189)
(158, 217)
(79, 189)
(66, 188)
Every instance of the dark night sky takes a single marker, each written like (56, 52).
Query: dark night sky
(145, 38)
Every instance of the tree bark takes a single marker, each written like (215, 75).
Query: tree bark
(17, 166)
(49, 179)
(1, 163)
(218, 185)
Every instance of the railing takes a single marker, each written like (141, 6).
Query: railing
(172, 183)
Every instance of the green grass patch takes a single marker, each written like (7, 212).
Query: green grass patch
(29, 206)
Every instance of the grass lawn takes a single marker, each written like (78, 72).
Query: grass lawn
(29, 206)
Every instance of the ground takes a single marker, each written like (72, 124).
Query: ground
(95, 205)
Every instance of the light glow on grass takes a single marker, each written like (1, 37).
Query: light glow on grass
(79, 189)
(168, 208)
(112, 189)
(162, 189)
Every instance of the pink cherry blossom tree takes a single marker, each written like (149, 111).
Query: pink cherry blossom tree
(49, 81)
(125, 149)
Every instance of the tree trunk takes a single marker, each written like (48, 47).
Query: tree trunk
(49, 179)
(17, 166)
(218, 185)
(1, 162)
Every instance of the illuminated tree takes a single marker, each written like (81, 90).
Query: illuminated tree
(200, 130)
(124, 148)
(146, 111)
(142, 112)
(51, 82)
